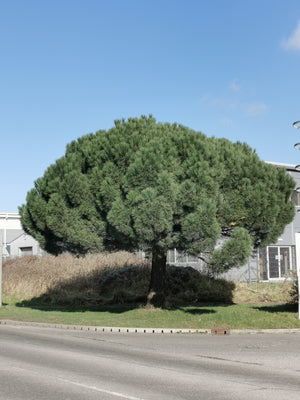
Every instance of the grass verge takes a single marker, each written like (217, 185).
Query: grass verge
(236, 316)
(110, 289)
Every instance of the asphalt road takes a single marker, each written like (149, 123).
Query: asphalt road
(53, 364)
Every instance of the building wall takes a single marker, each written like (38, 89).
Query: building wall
(16, 243)
(288, 237)
(25, 245)
(278, 260)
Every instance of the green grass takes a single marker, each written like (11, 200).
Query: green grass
(109, 289)
(194, 317)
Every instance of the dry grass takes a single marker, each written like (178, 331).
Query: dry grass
(122, 278)
(260, 293)
(28, 277)
(103, 279)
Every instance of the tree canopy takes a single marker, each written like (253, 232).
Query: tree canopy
(157, 186)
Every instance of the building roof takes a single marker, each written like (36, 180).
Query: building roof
(4, 214)
(283, 165)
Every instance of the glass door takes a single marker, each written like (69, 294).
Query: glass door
(285, 261)
(274, 265)
(279, 261)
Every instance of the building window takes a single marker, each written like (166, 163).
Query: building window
(276, 262)
(177, 257)
(25, 251)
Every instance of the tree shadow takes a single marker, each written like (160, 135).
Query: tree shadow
(112, 290)
(277, 308)
(113, 309)
(118, 290)
(197, 310)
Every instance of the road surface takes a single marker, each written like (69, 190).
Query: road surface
(52, 364)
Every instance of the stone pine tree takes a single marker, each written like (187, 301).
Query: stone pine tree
(154, 186)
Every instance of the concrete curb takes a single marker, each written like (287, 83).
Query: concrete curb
(100, 329)
(114, 329)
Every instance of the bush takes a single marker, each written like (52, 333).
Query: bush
(185, 285)
(294, 292)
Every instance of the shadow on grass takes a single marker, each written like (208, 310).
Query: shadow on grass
(124, 289)
(117, 309)
(277, 308)
(113, 309)
(197, 310)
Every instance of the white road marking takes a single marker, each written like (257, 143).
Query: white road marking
(123, 396)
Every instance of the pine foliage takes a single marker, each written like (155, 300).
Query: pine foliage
(148, 185)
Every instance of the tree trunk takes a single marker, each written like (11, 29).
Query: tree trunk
(156, 295)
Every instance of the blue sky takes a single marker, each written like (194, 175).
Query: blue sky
(228, 68)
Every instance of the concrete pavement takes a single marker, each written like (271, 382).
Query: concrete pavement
(50, 364)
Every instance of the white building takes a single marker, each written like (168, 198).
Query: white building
(16, 242)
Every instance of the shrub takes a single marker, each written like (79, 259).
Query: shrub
(294, 292)
(185, 285)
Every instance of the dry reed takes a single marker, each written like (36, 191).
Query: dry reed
(119, 278)
(28, 277)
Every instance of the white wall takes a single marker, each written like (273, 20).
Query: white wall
(14, 238)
